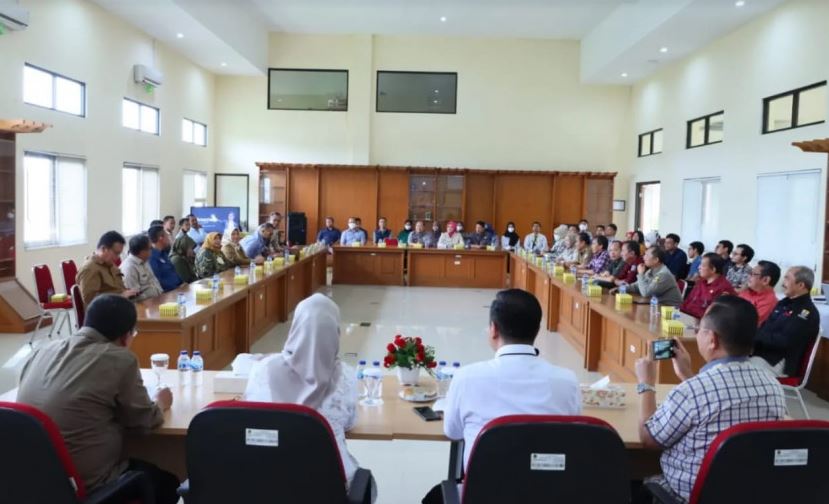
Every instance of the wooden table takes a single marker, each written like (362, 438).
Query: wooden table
(478, 268)
(230, 323)
(369, 265)
(394, 419)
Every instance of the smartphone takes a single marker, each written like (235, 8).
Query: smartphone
(663, 349)
(427, 413)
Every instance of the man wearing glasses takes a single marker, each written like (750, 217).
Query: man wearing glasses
(759, 290)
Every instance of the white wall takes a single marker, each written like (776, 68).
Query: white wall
(78, 39)
(781, 51)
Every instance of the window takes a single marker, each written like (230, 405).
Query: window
(701, 211)
(788, 204)
(417, 92)
(436, 197)
(705, 130)
(140, 201)
(139, 117)
(648, 201)
(48, 89)
(650, 143)
(297, 89)
(193, 132)
(55, 200)
(195, 190)
(793, 109)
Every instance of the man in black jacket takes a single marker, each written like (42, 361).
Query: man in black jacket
(791, 329)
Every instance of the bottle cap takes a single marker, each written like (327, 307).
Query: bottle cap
(375, 363)
(183, 352)
(196, 352)
(456, 364)
(362, 363)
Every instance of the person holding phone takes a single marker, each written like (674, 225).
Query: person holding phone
(728, 390)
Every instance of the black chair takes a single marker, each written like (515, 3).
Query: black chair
(36, 466)
(544, 458)
(760, 462)
(253, 452)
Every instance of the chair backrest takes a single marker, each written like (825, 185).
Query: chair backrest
(809, 359)
(43, 282)
(77, 302)
(547, 458)
(783, 461)
(70, 273)
(241, 451)
(681, 285)
(35, 466)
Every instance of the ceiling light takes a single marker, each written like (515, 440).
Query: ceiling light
(179, 35)
(224, 64)
(624, 74)
(739, 3)
(437, 91)
(663, 50)
(443, 19)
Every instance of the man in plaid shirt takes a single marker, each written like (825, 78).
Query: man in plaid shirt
(600, 260)
(728, 390)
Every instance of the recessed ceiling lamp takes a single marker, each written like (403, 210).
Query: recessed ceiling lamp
(443, 19)
(624, 74)
(739, 3)
(663, 50)
(224, 64)
(179, 35)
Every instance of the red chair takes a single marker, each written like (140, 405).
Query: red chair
(544, 458)
(36, 466)
(759, 462)
(796, 384)
(70, 273)
(261, 452)
(80, 309)
(681, 285)
(58, 312)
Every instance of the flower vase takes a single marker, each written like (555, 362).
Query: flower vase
(408, 376)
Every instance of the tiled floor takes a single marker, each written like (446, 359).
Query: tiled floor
(454, 321)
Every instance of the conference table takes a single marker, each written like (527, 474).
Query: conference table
(394, 419)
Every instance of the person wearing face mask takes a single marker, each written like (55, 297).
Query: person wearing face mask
(160, 263)
(510, 239)
(99, 275)
(559, 243)
(352, 234)
(451, 237)
(382, 233)
(584, 227)
(403, 235)
(535, 241)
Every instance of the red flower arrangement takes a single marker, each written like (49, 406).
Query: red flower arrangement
(409, 353)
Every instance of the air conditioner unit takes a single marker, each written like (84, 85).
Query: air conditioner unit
(142, 74)
(13, 17)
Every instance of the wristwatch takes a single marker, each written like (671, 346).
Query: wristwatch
(641, 388)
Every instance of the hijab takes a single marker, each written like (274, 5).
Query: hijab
(308, 368)
(513, 236)
(560, 232)
(182, 244)
(451, 226)
(208, 242)
(227, 240)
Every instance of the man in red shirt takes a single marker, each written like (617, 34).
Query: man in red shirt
(711, 285)
(630, 253)
(760, 289)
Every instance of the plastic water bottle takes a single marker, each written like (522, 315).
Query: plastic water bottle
(361, 384)
(377, 390)
(440, 377)
(623, 288)
(573, 270)
(287, 254)
(216, 281)
(237, 271)
(448, 374)
(654, 306)
(197, 368)
(183, 366)
(585, 282)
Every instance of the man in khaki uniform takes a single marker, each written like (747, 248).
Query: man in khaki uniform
(655, 279)
(99, 275)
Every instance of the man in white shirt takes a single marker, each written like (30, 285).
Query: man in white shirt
(535, 241)
(516, 381)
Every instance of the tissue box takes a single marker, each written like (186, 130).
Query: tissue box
(401, 245)
(168, 310)
(558, 270)
(611, 396)
(225, 382)
(673, 327)
(459, 246)
(58, 298)
(417, 245)
(260, 270)
(279, 261)
(204, 295)
(356, 244)
(594, 290)
(491, 248)
(623, 299)
(241, 279)
(568, 278)
(667, 312)
(382, 244)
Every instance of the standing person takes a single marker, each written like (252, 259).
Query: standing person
(536, 242)
(232, 248)
(759, 290)
(675, 258)
(655, 279)
(257, 245)
(160, 262)
(382, 233)
(740, 270)
(403, 235)
(695, 251)
(510, 239)
(419, 236)
(451, 238)
(183, 255)
(90, 385)
(99, 275)
(210, 259)
(196, 232)
(329, 235)
(711, 285)
(352, 234)
(309, 372)
(278, 237)
(138, 275)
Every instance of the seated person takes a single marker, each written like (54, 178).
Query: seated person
(155, 222)
(160, 262)
(451, 238)
(277, 238)
(569, 252)
(610, 232)
(352, 234)
(419, 236)
(695, 251)
(360, 228)
(382, 233)
(599, 231)
(711, 285)
(99, 275)
(435, 234)
(516, 381)
(728, 390)
(639, 237)
(308, 371)
(724, 249)
(403, 235)
(559, 243)
(257, 246)
(329, 235)
(233, 251)
(616, 263)
(675, 259)
(760, 289)
(196, 231)
(792, 327)
(740, 270)
(598, 263)
(210, 259)
(536, 242)
(583, 253)
(90, 385)
(655, 279)
(510, 239)
(573, 229)
(629, 271)
(169, 226)
(183, 255)
(138, 275)
(584, 227)
(480, 238)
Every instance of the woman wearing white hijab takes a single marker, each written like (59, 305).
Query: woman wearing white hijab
(308, 372)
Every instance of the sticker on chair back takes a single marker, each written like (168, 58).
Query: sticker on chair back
(547, 461)
(261, 437)
(798, 457)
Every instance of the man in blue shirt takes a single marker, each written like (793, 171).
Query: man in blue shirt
(675, 258)
(257, 244)
(352, 235)
(695, 251)
(160, 263)
(329, 234)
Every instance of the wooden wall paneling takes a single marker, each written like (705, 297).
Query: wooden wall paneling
(392, 199)
(348, 192)
(568, 199)
(523, 198)
(479, 198)
(598, 201)
(303, 197)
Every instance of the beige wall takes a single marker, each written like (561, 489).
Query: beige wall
(78, 39)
